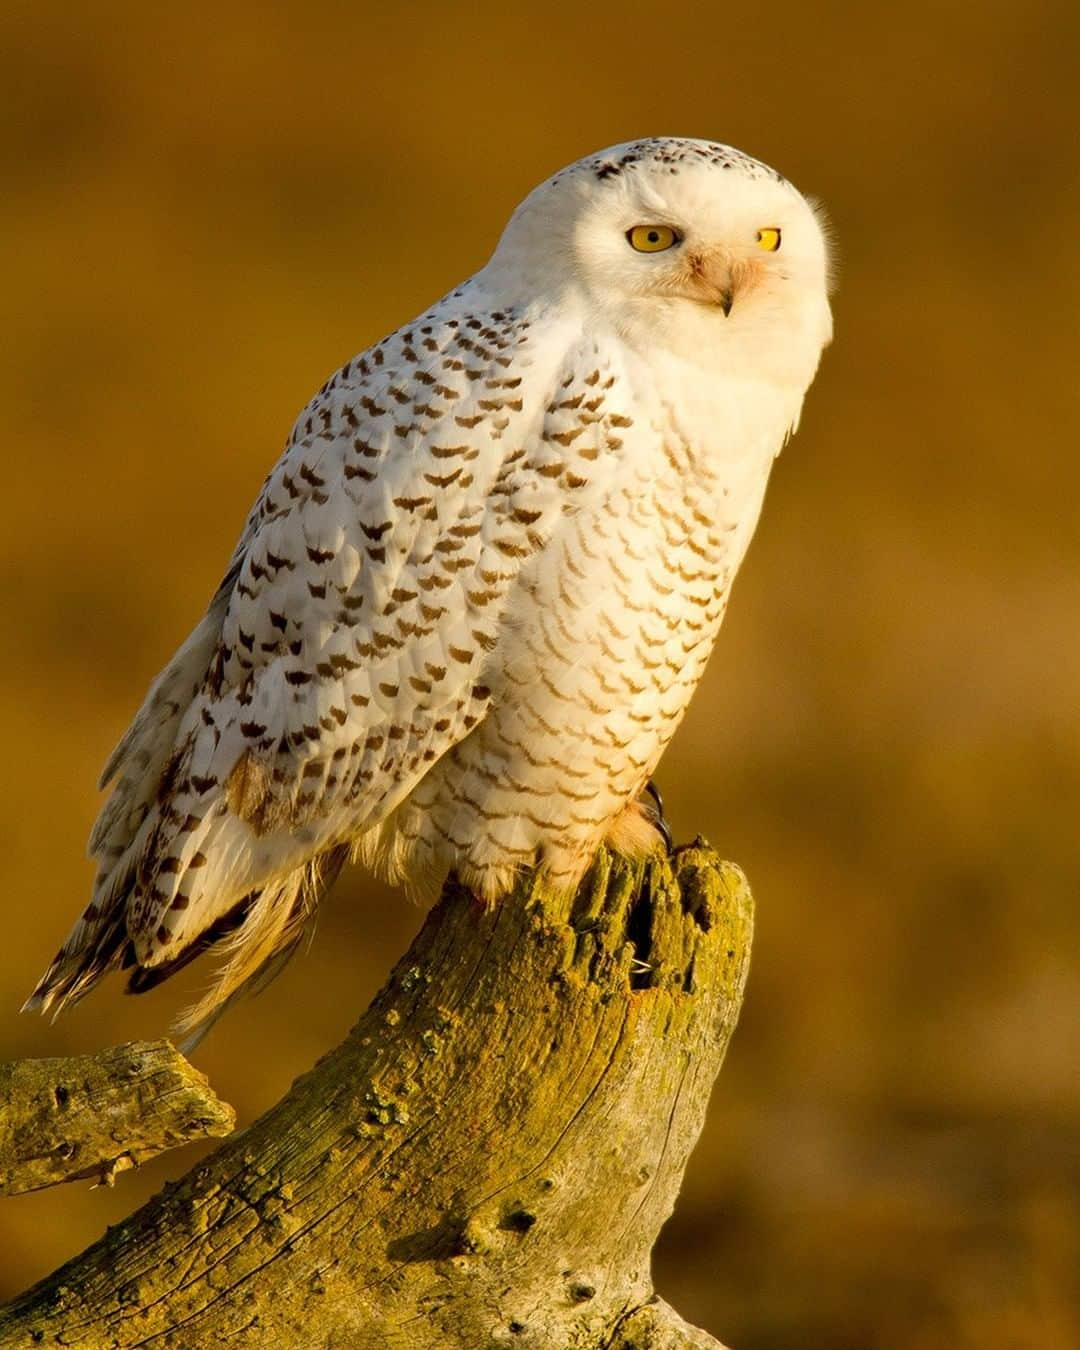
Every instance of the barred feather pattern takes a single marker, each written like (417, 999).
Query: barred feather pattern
(475, 594)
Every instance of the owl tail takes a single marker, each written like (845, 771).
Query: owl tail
(256, 937)
(257, 948)
(77, 968)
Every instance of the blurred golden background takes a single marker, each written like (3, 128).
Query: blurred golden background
(207, 209)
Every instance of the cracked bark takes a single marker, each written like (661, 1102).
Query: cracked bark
(486, 1160)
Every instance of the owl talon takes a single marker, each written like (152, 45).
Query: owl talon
(656, 812)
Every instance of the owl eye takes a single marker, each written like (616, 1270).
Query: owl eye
(652, 238)
(769, 238)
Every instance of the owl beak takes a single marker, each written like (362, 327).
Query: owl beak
(712, 281)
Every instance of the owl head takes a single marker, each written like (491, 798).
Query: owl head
(686, 243)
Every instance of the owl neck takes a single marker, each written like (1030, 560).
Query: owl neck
(775, 345)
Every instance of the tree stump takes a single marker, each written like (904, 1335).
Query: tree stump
(485, 1161)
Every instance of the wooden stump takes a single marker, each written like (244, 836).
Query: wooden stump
(486, 1160)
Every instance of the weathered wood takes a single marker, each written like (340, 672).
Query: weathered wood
(485, 1161)
(96, 1115)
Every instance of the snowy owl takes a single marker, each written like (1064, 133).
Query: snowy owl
(475, 594)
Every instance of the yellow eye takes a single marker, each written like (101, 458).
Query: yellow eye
(652, 238)
(769, 238)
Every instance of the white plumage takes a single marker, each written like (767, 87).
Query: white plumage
(476, 592)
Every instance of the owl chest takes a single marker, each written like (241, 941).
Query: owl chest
(630, 593)
(620, 608)
(671, 554)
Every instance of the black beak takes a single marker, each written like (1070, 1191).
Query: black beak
(727, 299)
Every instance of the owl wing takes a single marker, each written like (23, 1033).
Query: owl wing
(355, 639)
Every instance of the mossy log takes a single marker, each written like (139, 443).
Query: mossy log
(485, 1161)
(97, 1115)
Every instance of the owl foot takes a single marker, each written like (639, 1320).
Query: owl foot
(655, 811)
(635, 832)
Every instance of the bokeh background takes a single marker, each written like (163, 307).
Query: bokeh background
(206, 209)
